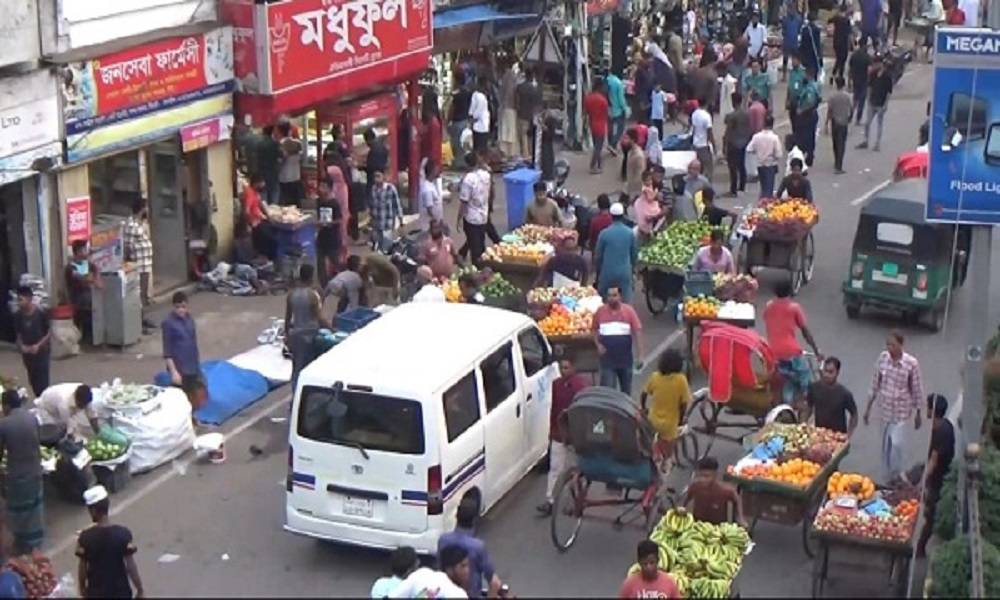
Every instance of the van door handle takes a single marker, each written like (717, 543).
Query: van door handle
(517, 411)
(528, 398)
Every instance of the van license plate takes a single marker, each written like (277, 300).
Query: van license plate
(358, 507)
(890, 269)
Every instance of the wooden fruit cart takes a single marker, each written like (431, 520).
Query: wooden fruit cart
(661, 285)
(864, 553)
(521, 274)
(796, 255)
(579, 348)
(776, 502)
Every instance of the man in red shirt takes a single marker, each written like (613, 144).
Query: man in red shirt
(783, 318)
(564, 391)
(650, 581)
(600, 221)
(595, 107)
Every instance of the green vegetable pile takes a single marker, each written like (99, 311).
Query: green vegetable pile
(676, 245)
(945, 520)
(498, 287)
(951, 570)
(101, 450)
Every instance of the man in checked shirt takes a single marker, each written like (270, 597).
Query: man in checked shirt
(139, 251)
(897, 386)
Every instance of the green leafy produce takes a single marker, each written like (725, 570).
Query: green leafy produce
(676, 245)
(100, 450)
(951, 570)
(498, 287)
(989, 498)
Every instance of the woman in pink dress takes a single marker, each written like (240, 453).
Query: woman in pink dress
(340, 194)
(647, 208)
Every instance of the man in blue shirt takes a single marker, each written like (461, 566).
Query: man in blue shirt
(791, 24)
(616, 254)
(618, 109)
(180, 350)
(480, 565)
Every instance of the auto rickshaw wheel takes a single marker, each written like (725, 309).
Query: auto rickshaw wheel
(853, 310)
(935, 321)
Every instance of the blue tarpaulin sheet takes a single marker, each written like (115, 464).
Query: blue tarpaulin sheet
(230, 390)
(479, 13)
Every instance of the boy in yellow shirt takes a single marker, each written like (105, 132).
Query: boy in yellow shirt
(669, 395)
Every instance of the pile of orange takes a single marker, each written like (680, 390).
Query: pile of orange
(793, 209)
(557, 322)
(907, 509)
(796, 472)
(850, 484)
(701, 307)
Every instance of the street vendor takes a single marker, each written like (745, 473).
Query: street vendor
(82, 275)
(70, 405)
(565, 264)
(542, 210)
(715, 257)
(796, 184)
(439, 252)
(379, 272)
(22, 484)
(709, 499)
(650, 581)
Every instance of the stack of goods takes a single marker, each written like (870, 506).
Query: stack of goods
(519, 252)
(286, 215)
(739, 288)
(564, 312)
(702, 308)
(777, 219)
(792, 455)
(533, 234)
(701, 557)
(491, 285)
(37, 285)
(856, 509)
(675, 246)
(36, 573)
(101, 450)
(122, 395)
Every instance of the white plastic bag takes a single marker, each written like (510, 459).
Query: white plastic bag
(65, 339)
(158, 436)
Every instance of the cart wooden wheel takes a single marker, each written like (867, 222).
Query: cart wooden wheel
(743, 257)
(795, 269)
(808, 257)
(567, 508)
(654, 303)
(819, 571)
(807, 521)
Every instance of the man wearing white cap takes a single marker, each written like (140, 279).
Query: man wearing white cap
(106, 553)
(615, 256)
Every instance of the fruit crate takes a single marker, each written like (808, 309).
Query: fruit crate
(114, 477)
(352, 320)
(698, 283)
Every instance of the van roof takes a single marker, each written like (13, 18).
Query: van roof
(420, 343)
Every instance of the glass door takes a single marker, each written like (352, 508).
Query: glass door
(166, 215)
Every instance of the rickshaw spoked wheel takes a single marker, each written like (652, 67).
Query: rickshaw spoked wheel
(567, 508)
(810, 514)
(686, 452)
(654, 303)
(743, 258)
(796, 269)
(808, 257)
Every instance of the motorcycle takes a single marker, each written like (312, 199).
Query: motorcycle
(564, 198)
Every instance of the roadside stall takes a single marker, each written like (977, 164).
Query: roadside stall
(665, 259)
(565, 315)
(521, 253)
(863, 527)
(702, 558)
(783, 478)
(496, 289)
(777, 234)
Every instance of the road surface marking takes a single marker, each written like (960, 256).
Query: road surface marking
(651, 357)
(118, 507)
(868, 194)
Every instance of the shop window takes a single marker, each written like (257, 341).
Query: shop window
(461, 406)
(498, 376)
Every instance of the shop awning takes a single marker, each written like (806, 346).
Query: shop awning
(480, 13)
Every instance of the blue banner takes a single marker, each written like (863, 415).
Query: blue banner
(964, 172)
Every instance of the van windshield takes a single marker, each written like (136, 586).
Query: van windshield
(354, 418)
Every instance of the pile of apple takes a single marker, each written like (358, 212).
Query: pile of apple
(540, 233)
(855, 523)
(532, 253)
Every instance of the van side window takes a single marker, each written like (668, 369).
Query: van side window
(461, 406)
(498, 376)
(534, 351)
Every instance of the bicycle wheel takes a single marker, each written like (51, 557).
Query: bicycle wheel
(567, 509)
(687, 450)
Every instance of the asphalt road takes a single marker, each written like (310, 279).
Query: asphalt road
(224, 522)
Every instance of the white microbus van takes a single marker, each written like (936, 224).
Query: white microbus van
(424, 406)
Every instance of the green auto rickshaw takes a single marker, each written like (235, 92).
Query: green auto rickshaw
(901, 262)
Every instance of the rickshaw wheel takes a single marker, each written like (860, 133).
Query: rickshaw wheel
(686, 452)
(567, 509)
(795, 271)
(935, 320)
(807, 521)
(808, 258)
(655, 304)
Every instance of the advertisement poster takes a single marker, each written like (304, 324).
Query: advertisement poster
(78, 219)
(315, 40)
(143, 79)
(964, 175)
(240, 14)
(205, 133)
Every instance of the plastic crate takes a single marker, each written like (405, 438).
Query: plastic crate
(113, 477)
(356, 318)
(698, 283)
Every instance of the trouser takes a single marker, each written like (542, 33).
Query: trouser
(870, 35)
(480, 140)
(736, 160)
(806, 138)
(264, 240)
(455, 129)
(766, 176)
(931, 496)
(892, 450)
(860, 96)
(475, 239)
(839, 135)
(598, 150)
(84, 322)
(326, 257)
(707, 161)
(301, 344)
(526, 138)
(658, 125)
(37, 366)
(617, 377)
(874, 113)
(838, 66)
(292, 193)
(561, 459)
(625, 152)
(618, 130)
(144, 278)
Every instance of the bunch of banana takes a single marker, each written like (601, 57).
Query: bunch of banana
(705, 533)
(668, 558)
(677, 521)
(683, 583)
(733, 539)
(708, 562)
(707, 588)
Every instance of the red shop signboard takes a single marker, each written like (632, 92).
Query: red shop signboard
(599, 7)
(310, 41)
(78, 219)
